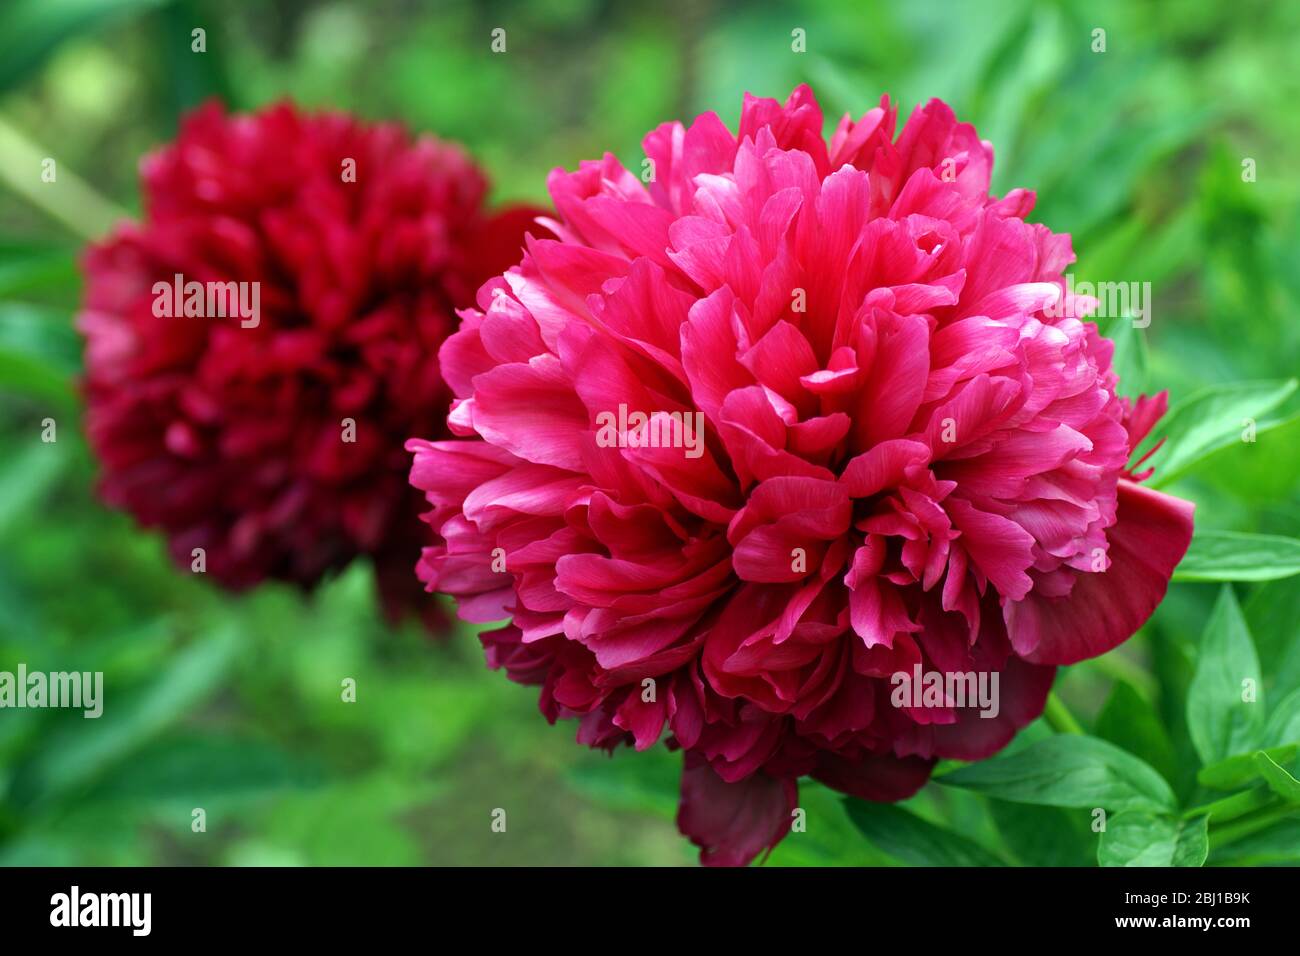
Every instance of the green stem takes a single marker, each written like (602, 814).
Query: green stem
(1058, 716)
(1229, 808)
(68, 199)
(1233, 831)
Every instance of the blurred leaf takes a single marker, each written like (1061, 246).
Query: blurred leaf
(1279, 781)
(1130, 722)
(195, 771)
(1024, 67)
(1045, 836)
(26, 478)
(1221, 723)
(1211, 419)
(1283, 728)
(1144, 839)
(904, 835)
(192, 78)
(1069, 770)
(87, 746)
(1273, 615)
(354, 823)
(1130, 359)
(22, 374)
(39, 352)
(645, 782)
(30, 29)
(1236, 556)
(1261, 471)
(27, 267)
(1068, 194)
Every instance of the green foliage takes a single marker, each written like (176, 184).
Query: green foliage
(1223, 714)
(914, 840)
(1069, 771)
(1130, 722)
(32, 29)
(1211, 419)
(1044, 836)
(1234, 556)
(1143, 839)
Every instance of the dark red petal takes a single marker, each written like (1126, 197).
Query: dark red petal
(880, 777)
(732, 823)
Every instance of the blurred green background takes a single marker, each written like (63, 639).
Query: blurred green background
(232, 704)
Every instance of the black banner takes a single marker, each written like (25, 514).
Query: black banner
(334, 905)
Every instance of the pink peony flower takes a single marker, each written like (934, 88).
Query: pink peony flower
(902, 461)
(228, 431)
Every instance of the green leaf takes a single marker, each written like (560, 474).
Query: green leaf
(904, 835)
(828, 838)
(1145, 839)
(1250, 472)
(1279, 781)
(26, 267)
(1283, 726)
(648, 782)
(1239, 770)
(1273, 616)
(1130, 722)
(39, 352)
(1070, 770)
(372, 820)
(1129, 361)
(1045, 836)
(90, 746)
(198, 770)
(1220, 722)
(191, 79)
(1236, 556)
(1277, 844)
(1209, 420)
(27, 477)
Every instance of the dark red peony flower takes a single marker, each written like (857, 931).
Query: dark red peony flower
(756, 444)
(293, 274)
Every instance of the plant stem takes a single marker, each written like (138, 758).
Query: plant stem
(1251, 823)
(1230, 808)
(1058, 716)
(68, 199)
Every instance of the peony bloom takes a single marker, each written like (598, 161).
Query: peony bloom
(348, 247)
(789, 419)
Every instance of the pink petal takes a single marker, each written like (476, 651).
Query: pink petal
(882, 467)
(997, 546)
(1150, 536)
(532, 411)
